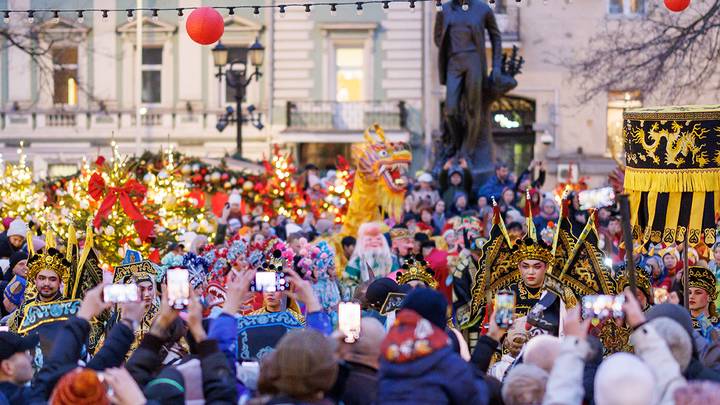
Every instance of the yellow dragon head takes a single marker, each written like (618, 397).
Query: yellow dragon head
(386, 164)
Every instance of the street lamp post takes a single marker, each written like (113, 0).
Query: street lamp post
(239, 81)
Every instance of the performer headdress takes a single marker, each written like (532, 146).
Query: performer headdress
(416, 269)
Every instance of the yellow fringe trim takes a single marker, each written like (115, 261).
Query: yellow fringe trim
(672, 181)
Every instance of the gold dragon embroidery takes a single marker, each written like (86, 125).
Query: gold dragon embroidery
(680, 145)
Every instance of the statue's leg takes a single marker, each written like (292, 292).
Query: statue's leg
(454, 92)
(478, 143)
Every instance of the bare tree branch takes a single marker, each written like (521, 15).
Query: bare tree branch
(670, 55)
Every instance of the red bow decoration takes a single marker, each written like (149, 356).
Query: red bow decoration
(131, 193)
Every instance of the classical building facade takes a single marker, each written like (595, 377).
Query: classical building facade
(326, 76)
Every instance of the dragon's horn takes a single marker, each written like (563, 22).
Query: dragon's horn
(367, 136)
(380, 132)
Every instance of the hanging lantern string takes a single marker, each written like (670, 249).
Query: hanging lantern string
(130, 11)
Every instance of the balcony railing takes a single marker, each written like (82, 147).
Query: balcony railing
(345, 116)
(61, 120)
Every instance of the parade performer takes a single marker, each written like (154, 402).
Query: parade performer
(143, 273)
(401, 244)
(644, 292)
(702, 288)
(317, 263)
(545, 279)
(416, 273)
(277, 261)
(371, 258)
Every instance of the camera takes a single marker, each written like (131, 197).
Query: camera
(546, 138)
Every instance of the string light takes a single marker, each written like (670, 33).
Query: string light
(81, 17)
(56, 17)
(253, 9)
(105, 15)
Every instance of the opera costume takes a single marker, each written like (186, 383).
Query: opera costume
(415, 273)
(545, 279)
(704, 313)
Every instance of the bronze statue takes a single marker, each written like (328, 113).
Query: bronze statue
(460, 36)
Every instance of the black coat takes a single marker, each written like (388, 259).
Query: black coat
(67, 351)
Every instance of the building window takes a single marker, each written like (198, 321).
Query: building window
(349, 76)
(618, 102)
(626, 7)
(238, 55)
(65, 70)
(151, 75)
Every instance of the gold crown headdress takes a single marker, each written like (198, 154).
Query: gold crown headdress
(48, 258)
(416, 269)
(529, 249)
(399, 233)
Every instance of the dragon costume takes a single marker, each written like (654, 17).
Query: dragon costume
(379, 186)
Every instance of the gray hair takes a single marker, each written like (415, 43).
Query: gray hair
(524, 384)
(676, 339)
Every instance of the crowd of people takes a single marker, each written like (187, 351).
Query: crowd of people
(428, 333)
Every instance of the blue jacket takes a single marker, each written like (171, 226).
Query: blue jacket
(442, 377)
(493, 187)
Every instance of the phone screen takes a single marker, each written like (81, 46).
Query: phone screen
(603, 306)
(178, 288)
(504, 308)
(265, 281)
(349, 320)
(118, 293)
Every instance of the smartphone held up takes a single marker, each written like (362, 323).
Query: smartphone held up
(120, 293)
(269, 281)
(504, 308)
(178, 288)
(349, 317)
(603, 307)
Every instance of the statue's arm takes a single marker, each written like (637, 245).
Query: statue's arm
(438, 28)
(495, 40)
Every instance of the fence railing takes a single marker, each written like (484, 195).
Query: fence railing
(345, 116)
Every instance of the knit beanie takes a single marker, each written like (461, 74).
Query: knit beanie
(674, 312)
(17, 227)
(167, 388)
(17, 257)
(79, 387)
(429, 304)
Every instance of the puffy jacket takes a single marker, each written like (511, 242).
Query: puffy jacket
(432, 373)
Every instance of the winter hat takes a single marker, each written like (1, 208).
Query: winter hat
(429, 304)
(302, 365)
(378, 291)
(676, 338)
(291, 228)
(425, 178)
(167, 388)
(455, 170)
(674, 312)
(697, 393)
(235, 198)
(17, 227)
(623, 379)
(17, 257)
(79, 387)
(7, 221)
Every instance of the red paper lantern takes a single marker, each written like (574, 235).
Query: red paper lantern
(677, 5)
(205, 25)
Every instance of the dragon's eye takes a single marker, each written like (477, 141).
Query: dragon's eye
(383, 153)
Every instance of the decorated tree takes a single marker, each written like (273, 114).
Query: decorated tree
(280, 193)
(339, 191)
(20, 196)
